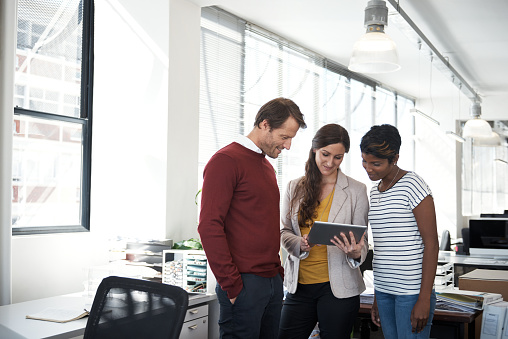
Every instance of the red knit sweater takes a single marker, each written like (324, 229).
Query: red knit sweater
(239, 219)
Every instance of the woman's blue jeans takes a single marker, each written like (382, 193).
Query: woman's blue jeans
(395, 315)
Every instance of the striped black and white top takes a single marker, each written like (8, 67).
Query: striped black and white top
(398, 245)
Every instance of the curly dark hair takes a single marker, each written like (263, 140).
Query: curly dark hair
(309, 188)
(382, 141)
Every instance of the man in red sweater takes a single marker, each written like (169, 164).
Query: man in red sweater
(239, 223)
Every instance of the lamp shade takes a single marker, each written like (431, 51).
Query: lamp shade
(477, 127)
(492, 141)
(375, 52)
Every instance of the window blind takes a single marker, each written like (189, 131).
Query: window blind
(221, 87)
(243, 66)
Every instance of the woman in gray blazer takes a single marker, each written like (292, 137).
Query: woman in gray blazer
(323, 282)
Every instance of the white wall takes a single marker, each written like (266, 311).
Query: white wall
(7, 57)
(146, 119)
(437, 154)
(145, 144)
(48, 265)
(183, 122)
(436, 163)
(130, 115)
(435, 151)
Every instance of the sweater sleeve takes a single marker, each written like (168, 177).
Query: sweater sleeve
(219, 181)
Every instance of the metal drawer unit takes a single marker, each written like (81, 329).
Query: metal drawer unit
(195, 325)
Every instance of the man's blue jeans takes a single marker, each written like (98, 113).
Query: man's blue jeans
(395, 315)
(256, 311)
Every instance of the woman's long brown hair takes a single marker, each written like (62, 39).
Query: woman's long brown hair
(309, 188)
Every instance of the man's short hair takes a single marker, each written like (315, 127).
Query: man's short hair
(277, 111)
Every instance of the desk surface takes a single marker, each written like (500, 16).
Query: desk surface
(14, 325)
(471, 260)
(440, 315)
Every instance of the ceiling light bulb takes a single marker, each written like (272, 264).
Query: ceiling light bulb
(375, 52)
(477, 127)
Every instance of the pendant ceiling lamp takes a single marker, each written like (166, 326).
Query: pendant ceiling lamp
(492, 141)
(375, 52)
(476, 127)
(479, 129)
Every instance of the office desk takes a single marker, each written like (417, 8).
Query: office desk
(466, 263)
(452, 318)
(14, 325)
(475, 261)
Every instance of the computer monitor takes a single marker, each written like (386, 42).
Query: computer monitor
(488, 237)
(495, 215)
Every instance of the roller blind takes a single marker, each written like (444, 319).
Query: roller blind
(221, 99)
(243, 66)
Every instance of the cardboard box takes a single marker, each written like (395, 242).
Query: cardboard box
(494, 281)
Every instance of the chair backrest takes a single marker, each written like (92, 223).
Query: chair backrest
(445, 241)
(133, 308)
(465, 239)
(367, 264)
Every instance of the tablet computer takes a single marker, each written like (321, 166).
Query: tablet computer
(321, 232)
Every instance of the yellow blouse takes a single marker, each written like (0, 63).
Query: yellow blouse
(314, 269)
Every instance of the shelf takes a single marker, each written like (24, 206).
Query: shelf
(188, 269)
(444, 275)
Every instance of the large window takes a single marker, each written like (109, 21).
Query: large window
(243, 66)
(485, 174)
(52, 116)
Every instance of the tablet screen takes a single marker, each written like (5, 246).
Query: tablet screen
(321, 232)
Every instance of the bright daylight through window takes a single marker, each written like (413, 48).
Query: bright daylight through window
(52, 116)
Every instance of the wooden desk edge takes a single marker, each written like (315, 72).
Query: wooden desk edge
(439, 315)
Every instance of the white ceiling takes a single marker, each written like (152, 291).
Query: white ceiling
(471, 34)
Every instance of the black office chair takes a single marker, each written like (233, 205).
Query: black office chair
(445, 241)
(132, 308)
(465, 239)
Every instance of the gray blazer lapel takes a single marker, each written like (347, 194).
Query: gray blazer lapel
(339, 197)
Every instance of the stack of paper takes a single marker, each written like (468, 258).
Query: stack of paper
(468, 300)
(367, 297)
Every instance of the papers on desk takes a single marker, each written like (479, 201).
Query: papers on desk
(467, 300)
(367, 297)
(483, 261)
(59, 315)
(494, 321)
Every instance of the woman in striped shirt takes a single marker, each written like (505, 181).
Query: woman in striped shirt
(403, 222)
